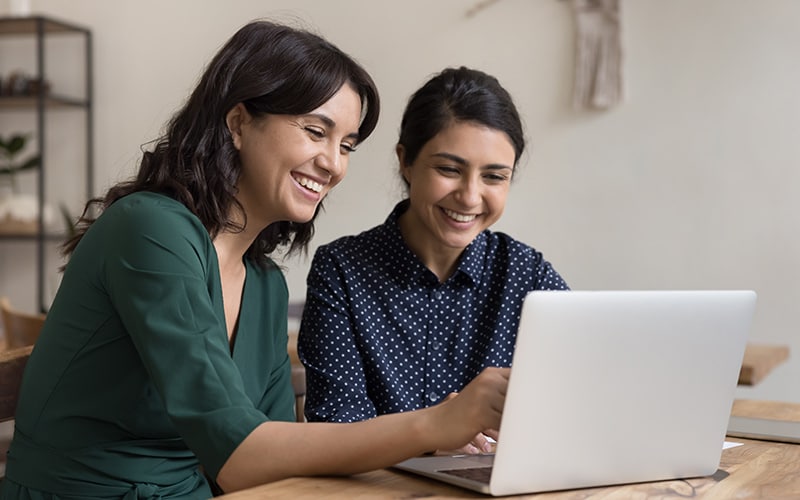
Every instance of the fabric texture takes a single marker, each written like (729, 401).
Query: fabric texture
(380, 334)
(132, 384)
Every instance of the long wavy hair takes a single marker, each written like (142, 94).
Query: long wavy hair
(271, 69)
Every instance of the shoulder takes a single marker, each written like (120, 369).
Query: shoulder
(151, 213)
(504, 243)
(150, 209)
(355, 246)
(149, 224)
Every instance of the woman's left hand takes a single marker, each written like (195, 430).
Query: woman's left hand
(483, 442)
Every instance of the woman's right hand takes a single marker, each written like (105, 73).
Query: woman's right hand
(475, 409)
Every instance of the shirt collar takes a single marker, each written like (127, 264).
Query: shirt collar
(471, 261)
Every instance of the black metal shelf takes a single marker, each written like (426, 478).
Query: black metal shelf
(41, 102)
(51, 101)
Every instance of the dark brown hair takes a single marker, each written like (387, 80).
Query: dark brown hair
(271, 69)
(459, 95)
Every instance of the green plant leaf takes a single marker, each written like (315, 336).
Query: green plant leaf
(15, 144)
(31, 162)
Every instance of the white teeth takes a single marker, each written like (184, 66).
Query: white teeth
(309, 184)
(459, 217)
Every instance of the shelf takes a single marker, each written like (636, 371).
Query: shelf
(9, 103)
(32, 236)
(42, 103)
(29, 26)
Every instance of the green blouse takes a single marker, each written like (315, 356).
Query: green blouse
(132, 383)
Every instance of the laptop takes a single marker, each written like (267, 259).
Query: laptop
(611, 387)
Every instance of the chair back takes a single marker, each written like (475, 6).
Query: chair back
(12, 364)
(20, 328)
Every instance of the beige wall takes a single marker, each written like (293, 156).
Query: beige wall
(694, 182)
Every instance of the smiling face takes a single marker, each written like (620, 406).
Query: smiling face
(290, 162)
(457, 186)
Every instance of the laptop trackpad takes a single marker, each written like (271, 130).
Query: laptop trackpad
(464, 461)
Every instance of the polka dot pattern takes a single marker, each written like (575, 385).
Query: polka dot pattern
(380, 334)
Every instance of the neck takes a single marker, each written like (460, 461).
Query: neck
(231, 248)
(440, 260)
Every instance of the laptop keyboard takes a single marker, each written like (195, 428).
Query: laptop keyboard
(479, 474)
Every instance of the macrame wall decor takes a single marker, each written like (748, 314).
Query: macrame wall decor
(598, 58)
(482, 4)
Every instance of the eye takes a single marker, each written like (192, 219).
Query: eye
(315, 132)
(347, 148)
(447, 170)
(495, 178)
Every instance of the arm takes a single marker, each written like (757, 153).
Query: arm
(277, 450)
(336, 384)
(159, 267)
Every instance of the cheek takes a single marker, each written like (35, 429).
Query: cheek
(498, 201)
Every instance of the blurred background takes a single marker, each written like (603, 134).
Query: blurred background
(691, 182)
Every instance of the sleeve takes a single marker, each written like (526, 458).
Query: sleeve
(546, 277)
(155, 269)
(336, 385)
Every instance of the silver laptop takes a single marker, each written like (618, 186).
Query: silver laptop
(611, 387)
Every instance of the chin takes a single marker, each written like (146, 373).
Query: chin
(302, 218)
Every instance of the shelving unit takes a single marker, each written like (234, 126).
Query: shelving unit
(40, 33)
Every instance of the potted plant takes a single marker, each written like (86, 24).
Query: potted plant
(19, 212)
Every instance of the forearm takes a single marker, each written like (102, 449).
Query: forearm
(277, 450)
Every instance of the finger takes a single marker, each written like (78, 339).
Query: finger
(471, 449)
(450, 396)
(481, 443)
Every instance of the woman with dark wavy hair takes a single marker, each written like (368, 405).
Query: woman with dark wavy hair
(162, 370)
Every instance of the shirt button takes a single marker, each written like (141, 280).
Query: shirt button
(436, 345)
(437, 295)
(433, 396)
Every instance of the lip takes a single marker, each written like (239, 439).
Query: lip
(455, 223)
(308, 193)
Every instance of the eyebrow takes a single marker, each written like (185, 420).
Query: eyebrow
(463, 162)
(332, 124)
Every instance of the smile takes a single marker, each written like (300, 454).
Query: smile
(308, 184)
(458, 217)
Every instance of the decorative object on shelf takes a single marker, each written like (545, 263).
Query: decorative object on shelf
(18, 83)
(19, 213)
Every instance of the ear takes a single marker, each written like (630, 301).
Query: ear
(401, 159)
(235, 118)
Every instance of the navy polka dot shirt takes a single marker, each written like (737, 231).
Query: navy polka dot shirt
(380, 334)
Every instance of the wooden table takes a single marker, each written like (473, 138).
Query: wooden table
(755, 470)
(759, 360)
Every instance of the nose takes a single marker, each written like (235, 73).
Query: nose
(332, 161)
(469, 192)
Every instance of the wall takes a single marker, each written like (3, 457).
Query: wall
(692, 183)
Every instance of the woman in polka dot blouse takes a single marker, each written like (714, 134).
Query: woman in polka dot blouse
(402, 315)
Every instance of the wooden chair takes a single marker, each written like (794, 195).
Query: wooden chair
(295, 313)
(299, 386)
(20, 328)
(12, 364)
